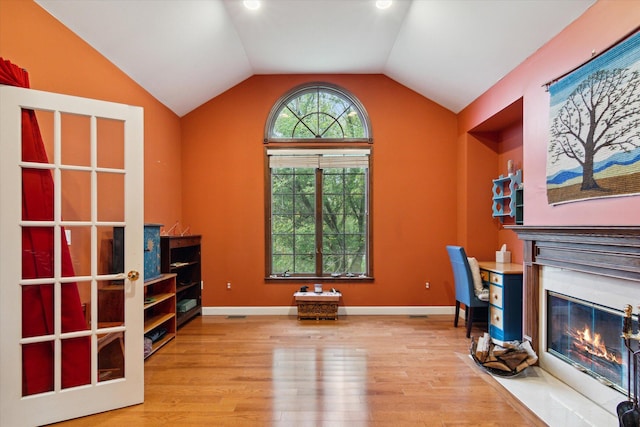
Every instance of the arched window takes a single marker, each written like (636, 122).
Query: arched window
(318, 149)
(318, 111)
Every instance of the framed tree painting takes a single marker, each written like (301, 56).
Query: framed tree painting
(594, 133)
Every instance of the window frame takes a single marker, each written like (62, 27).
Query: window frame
(308, 88)
(322, 144)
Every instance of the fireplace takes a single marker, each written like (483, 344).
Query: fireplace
(587, 336)
(577, 281)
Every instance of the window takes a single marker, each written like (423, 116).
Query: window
(318, 112)
(318, 197)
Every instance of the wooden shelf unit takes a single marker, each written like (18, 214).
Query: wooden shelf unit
(180, 255)
(507, 197)
(160, 309)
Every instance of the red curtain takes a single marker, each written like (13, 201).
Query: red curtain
(37, 262)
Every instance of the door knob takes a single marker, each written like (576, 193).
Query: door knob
(133, 275)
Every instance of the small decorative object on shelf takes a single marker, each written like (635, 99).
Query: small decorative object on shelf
(507, 197)
(175, 230)
(151, 251)
(627, 328)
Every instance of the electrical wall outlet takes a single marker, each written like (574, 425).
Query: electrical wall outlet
(427, 285)
(228, 285)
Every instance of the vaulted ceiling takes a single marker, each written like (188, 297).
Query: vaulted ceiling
(185, 52)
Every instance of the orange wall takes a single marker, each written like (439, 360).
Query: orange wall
(414, 200)
(58, 61)
(598, 28)
(477, 228)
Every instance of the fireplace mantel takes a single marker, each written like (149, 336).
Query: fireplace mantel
(612, 251)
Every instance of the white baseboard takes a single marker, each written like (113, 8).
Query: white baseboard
(342, 311)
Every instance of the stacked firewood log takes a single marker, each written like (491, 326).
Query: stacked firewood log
(510, 357)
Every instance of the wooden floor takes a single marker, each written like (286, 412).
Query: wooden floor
(356, 371)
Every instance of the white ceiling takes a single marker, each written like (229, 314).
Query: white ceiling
(185, 52)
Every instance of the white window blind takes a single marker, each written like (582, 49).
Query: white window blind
(323, 159)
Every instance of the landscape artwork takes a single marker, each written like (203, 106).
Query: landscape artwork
(594, 133)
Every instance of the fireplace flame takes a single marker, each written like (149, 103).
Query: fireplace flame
(595, 346)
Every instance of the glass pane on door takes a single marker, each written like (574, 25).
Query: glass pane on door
(76, 241)
(37, 313)
(110, 196)
(75, 366)
(73, 294)
(40, 208)
(110, 143)
(76, 200)
(37, 361)
(111, 356)
(110, 303)
(76, 139)
(110, 250)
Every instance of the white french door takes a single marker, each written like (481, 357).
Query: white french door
(71, 318)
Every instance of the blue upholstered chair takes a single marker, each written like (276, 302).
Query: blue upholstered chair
(463, 279)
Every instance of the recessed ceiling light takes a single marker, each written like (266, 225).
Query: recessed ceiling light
(383, 4)
(252, 4)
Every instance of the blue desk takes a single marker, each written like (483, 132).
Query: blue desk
(505, 299)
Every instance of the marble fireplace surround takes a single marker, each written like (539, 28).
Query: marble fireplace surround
(578, 253)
